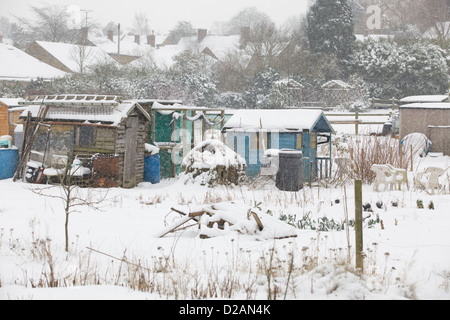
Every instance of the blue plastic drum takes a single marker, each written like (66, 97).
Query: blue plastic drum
(9, 161)
(152, 169)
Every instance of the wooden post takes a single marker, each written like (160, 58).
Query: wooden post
(358, 225)
(222, 124)
(185, 136)
(153, 126)
(172, 164)
(310, 173)
(356, 122)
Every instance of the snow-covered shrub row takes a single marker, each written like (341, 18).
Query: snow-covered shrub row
(393, 70)
(377, 69)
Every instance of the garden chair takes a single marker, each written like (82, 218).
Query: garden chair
(400, 176)
(432, 174)
(384, 176)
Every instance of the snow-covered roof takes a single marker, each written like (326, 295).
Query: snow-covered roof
(284, 120)
(110, 115)
(10, 102)
(218, 45)
(68, 54)
(128, 45)
(337, 83)
(441, 105)
(163, 55)
(425, 98)
(18, 65)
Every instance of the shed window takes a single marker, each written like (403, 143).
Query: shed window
(86, 136)
(299, 141)
(313, 140)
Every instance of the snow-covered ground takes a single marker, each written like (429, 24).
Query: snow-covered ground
(407, 248)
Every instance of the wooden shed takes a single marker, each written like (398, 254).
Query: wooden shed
(84, 126)
(176, 129)
(8, 116)
(4, 119)
(430, 119)
(251, 132)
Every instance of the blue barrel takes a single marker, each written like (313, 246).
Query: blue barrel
(9, 161)
(152, 169)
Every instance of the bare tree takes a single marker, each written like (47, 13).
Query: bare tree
(141, 25)
(50, 24)
(82, 55)
(231, 72)
(5, 27)
(181, 29)
(264, 44)
(248, 17)
(71, 195)
(423, 14)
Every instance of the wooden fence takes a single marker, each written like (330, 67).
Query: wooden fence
(357, 118)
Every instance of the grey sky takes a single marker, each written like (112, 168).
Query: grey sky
(164, 14)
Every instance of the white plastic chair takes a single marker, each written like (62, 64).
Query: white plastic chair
(401, 176)
(384, 176)
(433, 174)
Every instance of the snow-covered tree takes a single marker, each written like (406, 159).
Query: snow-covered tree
(330, 28)
(394, 70)
(258, 94)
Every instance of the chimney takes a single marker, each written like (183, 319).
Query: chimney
(137, 39)
(201, 34)
(151, 40)
(84, 35)
(111, 35)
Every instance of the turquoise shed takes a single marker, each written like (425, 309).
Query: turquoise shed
(251, 132)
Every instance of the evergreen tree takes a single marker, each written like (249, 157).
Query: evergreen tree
(331, 29)
(258, 95)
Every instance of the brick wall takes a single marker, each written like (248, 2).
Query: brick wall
(4, 121)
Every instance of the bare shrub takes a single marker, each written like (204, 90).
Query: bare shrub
(366, 151)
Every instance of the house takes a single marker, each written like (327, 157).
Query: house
(251, 132)
(113, 130)
(127, 48)
(214, 46)
(16, 65)
(176, 129)
(70, 58)
(430, 119)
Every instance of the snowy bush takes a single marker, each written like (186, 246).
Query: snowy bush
(230, 100)
(393, 70)
(258, 95)
(211, 163)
